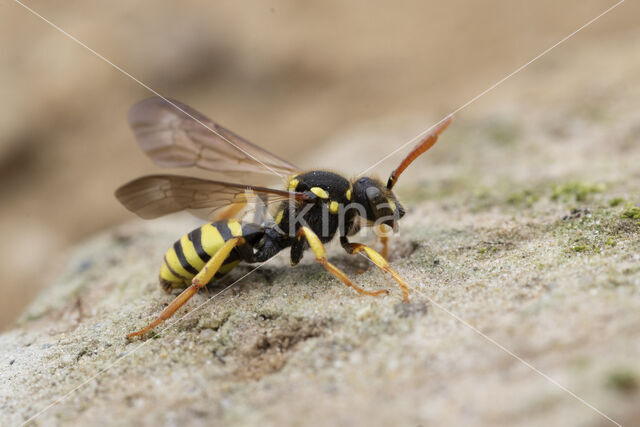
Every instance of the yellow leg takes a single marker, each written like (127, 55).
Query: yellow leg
(201, 279)
(230, 211)
(354, 248)
(384, 239)
(321, 257)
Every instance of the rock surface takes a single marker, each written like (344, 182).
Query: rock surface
(522, 245)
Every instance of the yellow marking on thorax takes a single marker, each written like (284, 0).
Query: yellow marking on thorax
(348, 194)
(211, 239)
(190, 253)
(279, 216)
(174, 263)
(333, 207)
(293, 184)
(235, 227)
(320, 192)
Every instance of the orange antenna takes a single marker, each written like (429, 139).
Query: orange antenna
(426, 143)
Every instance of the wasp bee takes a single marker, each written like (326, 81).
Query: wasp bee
(313, 208)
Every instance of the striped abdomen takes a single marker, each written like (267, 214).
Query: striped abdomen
(188, 255)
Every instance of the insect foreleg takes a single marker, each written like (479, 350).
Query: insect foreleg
(354, 248)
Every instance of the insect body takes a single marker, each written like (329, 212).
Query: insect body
(190, 254)
(314, 207)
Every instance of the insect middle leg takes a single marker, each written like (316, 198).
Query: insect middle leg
(354, 248)
(201, 279)
(321, 257)
(384, 239)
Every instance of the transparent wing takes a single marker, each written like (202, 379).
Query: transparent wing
(175, 135)
(153, 196)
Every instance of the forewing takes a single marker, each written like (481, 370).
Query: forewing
(153, 196)
(175, 135)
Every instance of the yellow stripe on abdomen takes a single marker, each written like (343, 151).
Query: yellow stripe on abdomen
(175, 265)
(167, 276)
(235, 227)
(190, 253)
(211, 239)
(183, 255)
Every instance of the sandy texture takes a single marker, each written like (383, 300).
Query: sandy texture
(523, 223)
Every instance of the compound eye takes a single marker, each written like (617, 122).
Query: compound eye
(401, 211)
(373, 193)
(378, 202)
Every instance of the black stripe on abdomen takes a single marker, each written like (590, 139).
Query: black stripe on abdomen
(172, 271)
(196, 238)
(224, 230)
(183, 260)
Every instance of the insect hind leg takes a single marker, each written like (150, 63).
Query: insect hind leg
(201, 279)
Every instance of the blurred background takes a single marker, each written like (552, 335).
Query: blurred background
(287, 75)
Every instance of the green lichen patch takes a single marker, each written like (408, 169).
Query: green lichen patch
(623, 379)
(631, 212)
(525, 197)
(575, 191)
(592, 231)
(616, 201)
(581, 248)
